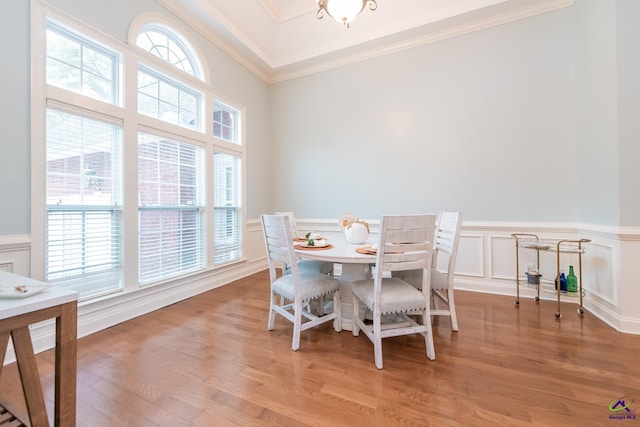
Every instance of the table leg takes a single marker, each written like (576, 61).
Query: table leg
(66, 365)
(31, 386)
(4, 343)
(351, 273)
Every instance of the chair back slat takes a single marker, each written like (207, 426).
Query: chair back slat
(278, 238)
(446, 240)
(292, 220)
(405, 243)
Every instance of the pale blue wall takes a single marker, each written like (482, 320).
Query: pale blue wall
(14, 119)
(607, 105)
(483, 123)
(628, 50)
(597, 113)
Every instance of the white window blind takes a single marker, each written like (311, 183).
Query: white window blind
(171, 209)
(227, 197)
(84, 203)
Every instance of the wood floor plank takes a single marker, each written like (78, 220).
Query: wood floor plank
(210, 361)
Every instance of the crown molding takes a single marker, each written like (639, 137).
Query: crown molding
(225, 46)
(263, 66)
(481, 24)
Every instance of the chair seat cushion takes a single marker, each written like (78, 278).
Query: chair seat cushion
(439, 280)
(312, 285)
(323, 267)
(396, 295)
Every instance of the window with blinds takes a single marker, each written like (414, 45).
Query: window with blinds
(84, 203)
(171, 208)
(227, 207)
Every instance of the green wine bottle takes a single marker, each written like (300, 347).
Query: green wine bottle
(572, 281)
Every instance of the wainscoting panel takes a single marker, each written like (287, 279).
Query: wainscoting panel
(470, 261)
(599, 277)
(15, 254)
(502, 258)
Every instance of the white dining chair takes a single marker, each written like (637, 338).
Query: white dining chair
(290, 294)
(323, 267)
(446, 242)
(405, 243)
(445, 254)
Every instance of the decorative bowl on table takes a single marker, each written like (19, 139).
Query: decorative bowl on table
(346, 219)
(355, 230)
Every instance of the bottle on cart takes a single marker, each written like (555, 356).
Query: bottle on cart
(572, 281)
(563, 281)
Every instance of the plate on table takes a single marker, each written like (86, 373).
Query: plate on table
(367, 250)
(313, 248)
(21, 291)
(316, 244)
(304, 239)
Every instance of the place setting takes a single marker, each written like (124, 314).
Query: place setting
(21, 291)
(312, 241)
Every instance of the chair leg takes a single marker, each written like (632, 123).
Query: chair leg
(434, 302)
(377, 340)
(355, 329)
(428, 336)
(452, 311)
(435, 299)
(322, 301)
(272, 313)
(337, 322)
(297, 325)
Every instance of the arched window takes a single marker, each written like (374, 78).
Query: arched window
(170, 47)
(161, 95)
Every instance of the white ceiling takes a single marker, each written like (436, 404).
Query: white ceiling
(282, 39)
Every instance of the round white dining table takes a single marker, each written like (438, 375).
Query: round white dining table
(353, 266)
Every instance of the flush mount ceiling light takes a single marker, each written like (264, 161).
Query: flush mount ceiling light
(343, 11)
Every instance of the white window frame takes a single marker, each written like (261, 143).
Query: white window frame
(125, 111)
(184, 46)
(181, 88)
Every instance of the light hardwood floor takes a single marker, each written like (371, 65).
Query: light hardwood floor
(210, 361)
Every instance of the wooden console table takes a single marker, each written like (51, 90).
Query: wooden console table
(15, 317)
